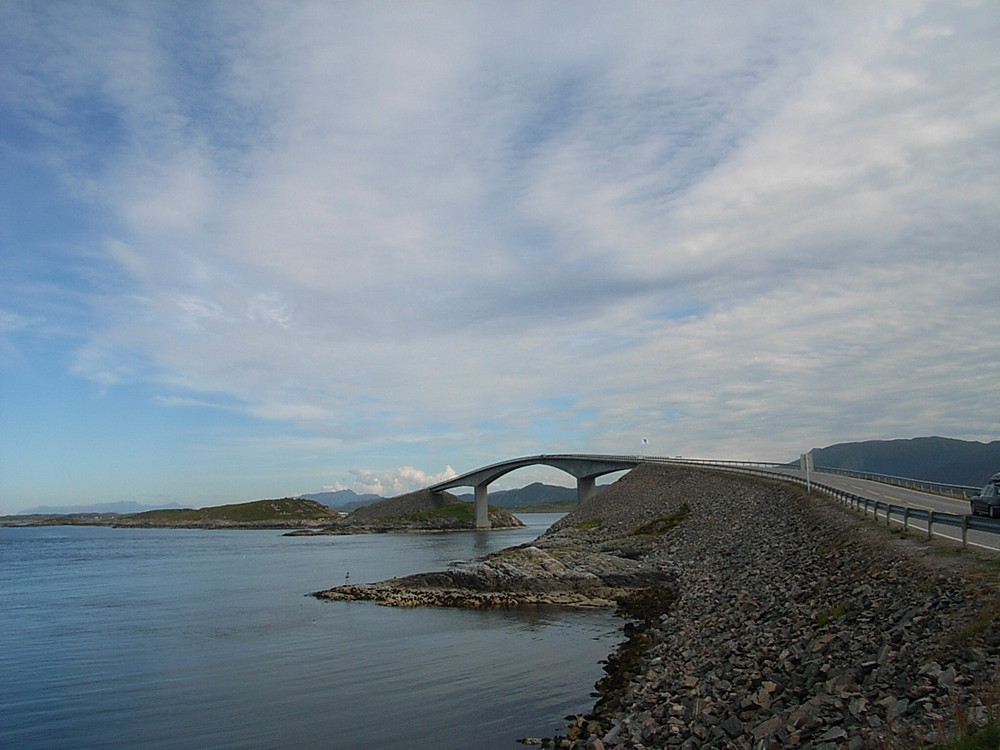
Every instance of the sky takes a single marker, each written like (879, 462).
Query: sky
(257, 249)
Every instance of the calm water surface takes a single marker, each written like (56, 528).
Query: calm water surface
(159, 638)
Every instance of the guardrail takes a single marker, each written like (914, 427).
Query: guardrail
(711, 462)
(929, 517)
(932, 519)
(939, 488)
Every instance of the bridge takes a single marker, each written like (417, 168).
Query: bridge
(586, 469)
(939, 509)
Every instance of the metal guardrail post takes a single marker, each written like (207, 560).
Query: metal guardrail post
(855, 501)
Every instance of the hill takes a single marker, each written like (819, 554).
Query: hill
(281, 513)
(935, 459)
(122, 506)
(284, 513)
(422, 510)
(535, 494)
(344, 500)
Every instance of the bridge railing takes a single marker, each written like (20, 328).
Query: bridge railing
(539, 458)
(711, 462)
(938, 488)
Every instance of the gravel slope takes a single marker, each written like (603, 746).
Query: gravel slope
(796, 624)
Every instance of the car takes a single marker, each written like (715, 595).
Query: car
(987, 502)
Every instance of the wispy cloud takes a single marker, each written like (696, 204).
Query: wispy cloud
(738, 233)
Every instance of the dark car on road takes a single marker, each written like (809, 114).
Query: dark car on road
(987, 502)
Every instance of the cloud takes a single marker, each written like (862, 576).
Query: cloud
(481, 229)
(391, 483)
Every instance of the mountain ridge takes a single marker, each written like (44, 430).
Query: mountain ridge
(933, 459)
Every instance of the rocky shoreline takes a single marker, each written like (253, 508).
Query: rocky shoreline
(759, 617)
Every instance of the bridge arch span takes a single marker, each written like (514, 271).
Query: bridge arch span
(586, 469)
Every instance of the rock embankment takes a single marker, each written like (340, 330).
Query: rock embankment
(795, 624)
(760, 618)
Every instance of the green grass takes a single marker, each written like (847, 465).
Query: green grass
(948, 551)
(454, 511)
(829, 615)
(663, 524)
(991, 565)
(590, 523)
(989, 615)
(987, 738)
(287, 508)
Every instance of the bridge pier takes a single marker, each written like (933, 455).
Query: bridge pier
(482, 507)
(586, 487)
(585, 468)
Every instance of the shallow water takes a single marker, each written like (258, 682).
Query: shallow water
(170, 638)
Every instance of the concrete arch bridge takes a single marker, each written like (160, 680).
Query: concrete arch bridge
(586, 469)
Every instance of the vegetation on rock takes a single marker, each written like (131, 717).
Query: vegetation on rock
(458, 511)
(283, 513)
(663, 524)
(258, 511)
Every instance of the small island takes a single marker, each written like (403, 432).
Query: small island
(281, 513)
(413, 512)
(418, 511)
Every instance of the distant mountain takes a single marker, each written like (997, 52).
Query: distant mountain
(935, 459)
(342, 499)
(123, 506)
(534, 494)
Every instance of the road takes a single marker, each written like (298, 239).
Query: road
(916, 499)
(887, 493)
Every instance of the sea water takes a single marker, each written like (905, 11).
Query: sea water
(173, 638)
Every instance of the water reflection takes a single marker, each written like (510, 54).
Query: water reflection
(198, 639)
